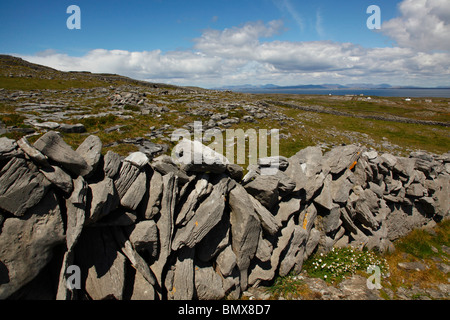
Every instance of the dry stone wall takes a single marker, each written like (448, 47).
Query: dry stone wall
(141, 229)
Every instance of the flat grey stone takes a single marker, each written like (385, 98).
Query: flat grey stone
(54, 147)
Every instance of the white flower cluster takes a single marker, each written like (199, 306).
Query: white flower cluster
(340, 262)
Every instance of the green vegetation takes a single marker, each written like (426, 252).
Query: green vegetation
(340, 263)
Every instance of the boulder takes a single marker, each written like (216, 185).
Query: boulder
(112, 163)
(27, 244)
(104, 199)
(226, 261)
(208, 214)
(235, 171)
(139, 159)
(155, 193)
(416, 190)
(54, 147)
(133, 197)
(269, 223)
(295, 251)
(264, 189)
(202, 188)
(208, 284)
(102, 264)
(194, 156)
(58, 177)
(245, 229)
(76, 212)
(22, 186)
(342, 157)
(266, 271)
(287, 209)
(183, 284)
(72, 128)
(165, 225)
(90, 150)
(144, 237)
(32, 152)
(325, 199)
(126, 177)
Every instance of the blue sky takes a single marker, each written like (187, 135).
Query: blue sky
(221, 42)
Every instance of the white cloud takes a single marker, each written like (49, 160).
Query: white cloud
(423, 25)
(237, 55)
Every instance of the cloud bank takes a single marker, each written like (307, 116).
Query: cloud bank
(245, 54)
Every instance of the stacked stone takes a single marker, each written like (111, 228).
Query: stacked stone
(142, 228)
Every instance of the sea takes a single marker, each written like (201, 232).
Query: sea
(391, 92)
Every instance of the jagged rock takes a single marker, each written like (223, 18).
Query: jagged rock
(76, 208)
(264, 189)
(27, 244)
(58, 177)
(165, 225)
(31, 151)
(208, 284)
(208, 214)
(312, 242)
(307, 217)
(183, 284)
(90, 150)
(133, 256)
(22, 186)
(139, 159)
(342, 157)
(388, 160)
(364, 214)
(235, 171)
(441, 196)
(404, 166)
(72, 128)
(340, 188)
(165, 164)
(245, 229)
(416, 190)
(104, 199)
(126, 177)
(194, 156)
(325, 198)
(54, 147)
(226, 261)
(264, 250)
(133, 197)
(142, 290)
(154, 196)
(112, 163)
(215, 241)
(269, 223)
(287, 209)
(278, 162)
(402, 220)
(144, 237)
(331, 221)
(295, 251)
(202, 189)
(102, 264)
(267, 271)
